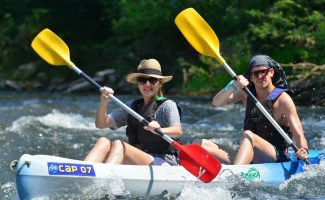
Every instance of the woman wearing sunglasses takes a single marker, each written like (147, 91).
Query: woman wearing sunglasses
(144, 147)
(261, 142)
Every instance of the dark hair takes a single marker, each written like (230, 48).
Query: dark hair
(279, 78)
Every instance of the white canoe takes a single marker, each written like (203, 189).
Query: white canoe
(43, 175)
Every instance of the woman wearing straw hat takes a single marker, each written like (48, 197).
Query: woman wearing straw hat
(144, 146)
(261, 142)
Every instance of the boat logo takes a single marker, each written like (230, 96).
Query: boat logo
(226, 174)
(72, 169)
(251, 175)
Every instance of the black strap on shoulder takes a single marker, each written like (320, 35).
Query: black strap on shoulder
(136, 104)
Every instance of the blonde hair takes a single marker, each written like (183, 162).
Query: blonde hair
(160, 91)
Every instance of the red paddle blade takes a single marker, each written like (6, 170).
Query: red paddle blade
(198, 161)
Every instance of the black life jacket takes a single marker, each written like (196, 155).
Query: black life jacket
(143, 139)
(256, 122)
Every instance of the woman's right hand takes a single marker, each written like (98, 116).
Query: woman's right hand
(105, 91)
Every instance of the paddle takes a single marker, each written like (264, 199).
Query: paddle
(201, 36)
(194, 158)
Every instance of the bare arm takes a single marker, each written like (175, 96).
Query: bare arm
(223, 97)
(288, 107)
(102, 119)
(173, 131)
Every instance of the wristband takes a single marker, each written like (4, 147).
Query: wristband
(232, 85)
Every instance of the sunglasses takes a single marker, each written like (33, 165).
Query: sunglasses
(262, 72)
(143, 80)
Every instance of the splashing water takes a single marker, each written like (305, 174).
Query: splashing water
(56, 125)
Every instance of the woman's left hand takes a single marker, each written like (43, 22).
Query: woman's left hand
(302, 154)
(152, 126)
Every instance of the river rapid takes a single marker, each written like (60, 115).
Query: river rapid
(63, 125)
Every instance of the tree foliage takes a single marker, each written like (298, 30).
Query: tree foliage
(119, 33)
(289, 30)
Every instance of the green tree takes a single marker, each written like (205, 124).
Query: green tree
(119, 33)
(291, 31)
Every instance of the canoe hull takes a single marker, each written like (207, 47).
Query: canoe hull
(43, 175)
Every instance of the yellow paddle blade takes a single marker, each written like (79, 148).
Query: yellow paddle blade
(198, 33)
(52, 48)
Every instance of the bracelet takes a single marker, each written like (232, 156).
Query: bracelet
(232, 85)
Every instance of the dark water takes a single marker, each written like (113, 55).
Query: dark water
(63, 125)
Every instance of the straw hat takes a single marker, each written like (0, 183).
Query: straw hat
(148, 68)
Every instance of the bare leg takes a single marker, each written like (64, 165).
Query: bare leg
(100, 151)
(214, 149)
(116, 155)
(254, 148)
(246, 150)
(124, 153)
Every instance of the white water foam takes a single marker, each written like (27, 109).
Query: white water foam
(55, 119)
(311, 122)
(19, 123)
(207, 123)
(8, 189)
(322, 141)
(192, 192)
(67, 120)
(319, 127)
(310, 181)
(108, 188)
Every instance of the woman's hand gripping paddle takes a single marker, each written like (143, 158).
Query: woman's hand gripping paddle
(201, 36)
(192, 157)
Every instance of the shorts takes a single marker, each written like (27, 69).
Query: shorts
(164, 159)
(281, 156)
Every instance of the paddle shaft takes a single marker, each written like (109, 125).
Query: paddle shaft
(264, 111)
(125, 107)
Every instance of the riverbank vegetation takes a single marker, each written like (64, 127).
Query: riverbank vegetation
(117, 34)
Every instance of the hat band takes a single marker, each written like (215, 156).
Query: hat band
(149, 71)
